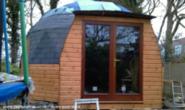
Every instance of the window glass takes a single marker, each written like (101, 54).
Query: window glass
(178, 49)
(127, 59)
(97, 41)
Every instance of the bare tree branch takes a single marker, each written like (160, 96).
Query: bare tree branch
(161, 27)
(40, 6)
(182, 25)
(150, 6)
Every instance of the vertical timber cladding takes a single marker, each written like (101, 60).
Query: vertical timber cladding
(71, 66)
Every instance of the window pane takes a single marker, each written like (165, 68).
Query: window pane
(127, 59)
(178, 49)
(97, 40)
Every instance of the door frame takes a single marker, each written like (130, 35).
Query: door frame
(112, 95)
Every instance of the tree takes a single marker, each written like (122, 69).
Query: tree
(53, 4)
(134, 5)
(171, 21)
(1, 32)
(138, 6)
(40, 6)
(149, 6)
(13, 24)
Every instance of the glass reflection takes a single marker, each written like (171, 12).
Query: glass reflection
(97, 40)
(127, 59)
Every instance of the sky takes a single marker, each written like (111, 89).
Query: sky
(159, 13)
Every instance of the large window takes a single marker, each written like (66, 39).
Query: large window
(97, 40)
(127, 59)
(111, 62)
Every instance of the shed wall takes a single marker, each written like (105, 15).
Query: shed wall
(71, 65)
(46, 81)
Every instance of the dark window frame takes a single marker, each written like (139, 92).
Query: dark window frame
(112, 95)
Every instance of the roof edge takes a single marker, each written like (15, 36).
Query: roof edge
(113, 14)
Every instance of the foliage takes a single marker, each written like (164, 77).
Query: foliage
(178, 59)
(14, 69)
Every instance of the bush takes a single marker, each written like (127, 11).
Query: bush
(13, 68)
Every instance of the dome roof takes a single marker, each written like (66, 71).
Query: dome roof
(87, 5)
(48, 35)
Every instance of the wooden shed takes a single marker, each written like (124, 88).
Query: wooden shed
(108, 54)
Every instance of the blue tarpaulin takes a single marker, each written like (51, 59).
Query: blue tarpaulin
(11, 90)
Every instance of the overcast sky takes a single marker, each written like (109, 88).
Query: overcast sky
(159, 13)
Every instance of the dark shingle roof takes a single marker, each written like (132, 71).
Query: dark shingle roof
(47, 38)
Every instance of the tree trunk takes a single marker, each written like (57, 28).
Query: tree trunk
(53, 3)
(169, 36)
(13, 22)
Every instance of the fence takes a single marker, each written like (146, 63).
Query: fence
(175, 71)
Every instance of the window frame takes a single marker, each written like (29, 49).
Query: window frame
(112, 95)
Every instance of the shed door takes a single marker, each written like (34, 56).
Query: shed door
(127, 59)
(111, 61)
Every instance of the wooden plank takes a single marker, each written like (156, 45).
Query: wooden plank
(77, 41)
(70, 83)
(72, 55)
(76, 27)
(153, 101)
(72, 50)
(71, 64)
(151, 57)
(74, 45)
(70, 78)
(70, 73)
(155, 79)
(152, 97)
(70, 88)
(153, 74)
(152, 88)
(151, 43)
(148, 61)
(153, 83)
(152, 92)
(151, 48)
(71, 69)
(70, 59)
(152, 66)
(152, 69)
(70, 93)
(76, 31)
